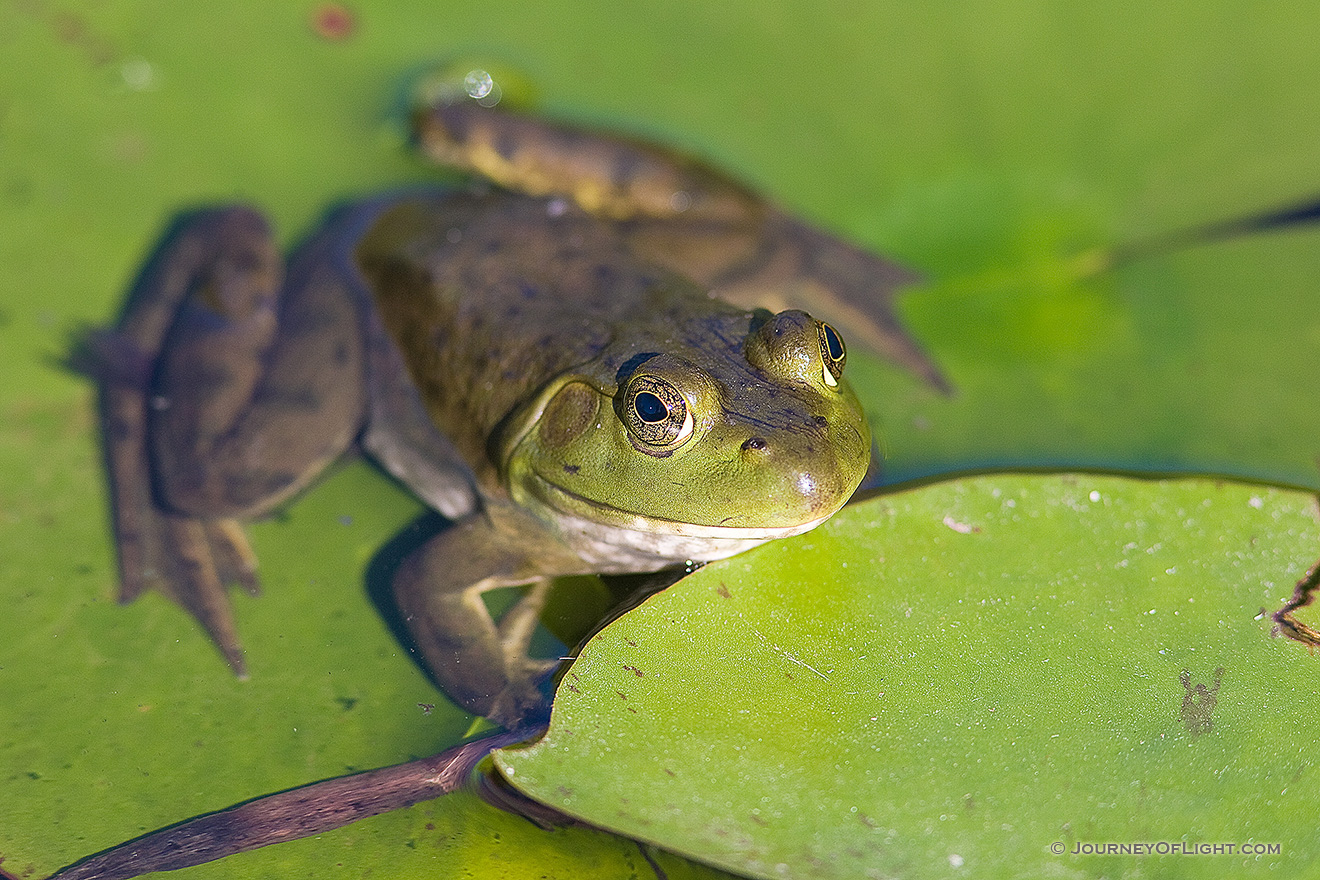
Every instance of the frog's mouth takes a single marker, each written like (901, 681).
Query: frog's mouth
(561, 502)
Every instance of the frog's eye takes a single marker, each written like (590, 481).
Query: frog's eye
(832, 353)
(656, 413)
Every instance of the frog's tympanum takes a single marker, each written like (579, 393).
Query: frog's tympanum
(601, 364)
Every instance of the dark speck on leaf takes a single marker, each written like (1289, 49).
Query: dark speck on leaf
(634, 670)
(346, 703)
(723, 592)
(571, 468)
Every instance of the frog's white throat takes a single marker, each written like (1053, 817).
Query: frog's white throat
(632, 542)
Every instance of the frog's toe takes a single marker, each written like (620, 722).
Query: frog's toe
(235, 563)
(522, 699)
(191, 561)
(203, 554)
(518, 624)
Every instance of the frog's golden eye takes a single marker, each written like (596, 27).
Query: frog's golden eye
(832, 353)
(656, 413)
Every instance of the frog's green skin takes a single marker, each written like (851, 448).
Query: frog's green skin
(542, 369)
(564, 322)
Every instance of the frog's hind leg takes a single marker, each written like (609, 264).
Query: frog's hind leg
(795, 265)
(188, 559)
(689, 218)
(225, 389)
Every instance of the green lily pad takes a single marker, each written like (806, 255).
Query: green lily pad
(1200, 360)
(963, 675)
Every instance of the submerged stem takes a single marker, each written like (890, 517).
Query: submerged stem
(290, 815)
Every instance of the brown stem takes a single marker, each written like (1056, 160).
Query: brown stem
(1286, 621)
(289, 815)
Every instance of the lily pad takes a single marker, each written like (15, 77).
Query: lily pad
(998, 674)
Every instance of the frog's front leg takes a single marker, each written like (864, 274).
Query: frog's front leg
(225, 388)
(481, 665)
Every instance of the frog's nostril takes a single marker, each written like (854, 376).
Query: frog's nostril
(821, 422)
(755, 444)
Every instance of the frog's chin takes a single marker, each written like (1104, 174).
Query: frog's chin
(616, 541)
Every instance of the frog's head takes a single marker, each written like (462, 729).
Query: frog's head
(738, 445)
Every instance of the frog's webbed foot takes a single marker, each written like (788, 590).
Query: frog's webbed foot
(482, 665)
(190, 560)
(795, 265)
(197, 560)
(766, 259)
(223, 390)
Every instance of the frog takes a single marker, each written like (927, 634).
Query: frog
(599, 365)
(598, 356)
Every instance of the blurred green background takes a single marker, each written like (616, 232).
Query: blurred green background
(1004, 149)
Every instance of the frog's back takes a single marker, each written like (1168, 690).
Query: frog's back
(491, 295)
